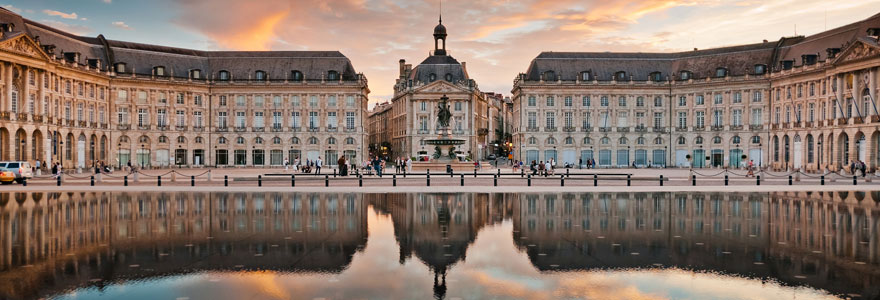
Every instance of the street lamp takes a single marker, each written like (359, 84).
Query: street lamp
(140, 156)
(119, 156)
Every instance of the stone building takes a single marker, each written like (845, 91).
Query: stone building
(412, 115)
(78, 100)
(707, 108)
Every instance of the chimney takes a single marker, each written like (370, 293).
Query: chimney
(402, 67)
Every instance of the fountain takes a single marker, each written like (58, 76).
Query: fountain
(444, 146)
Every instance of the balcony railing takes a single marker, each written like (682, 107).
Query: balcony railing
(658, 129)
(222, 129)
(239, 129)
(604, 129)
(259, 129)
(549, 129)
(700, 128)
(756, 127)
(622, 129)
(180, 128)
(162, 127)
(313, 129)
(123, 126)
(296, 129)
(198, 128)
(145, 127)
(82, 124)
(568, 129)
(350, 129)
(681, 129)
(423, 131)
(277, 128)
(531, 129)
(736, 127)
(38, 118)
(4, 115)
(22, 116)
(587, 129)
(332, 129)
(641, 129)
(717, 127)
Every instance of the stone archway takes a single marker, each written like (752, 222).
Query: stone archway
(797, 159)
(874, 152)
(860, 147)
(5, 149)
(20, 145)
(37, 146)
(842, 157)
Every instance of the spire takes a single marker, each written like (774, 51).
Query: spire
(440, 34)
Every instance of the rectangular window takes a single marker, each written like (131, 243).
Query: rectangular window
(532, 101)
(812, 112)
(31, 103)
(313, 119)
(567, 101)
(603, 102)
(197, 100)
(122, 115)
(276, 119)
(180, 99)
(161, 117)
(79, 112)
(349, 101)
(622, 119)
(181, 118)
(313, 101)
(349, 119)
(699, 100)
(423, 123)
(143, 117)
(66, 108)
(294, 119)
(551, 119)
(532, 119)
(222, 101)
(423, 106)
(331, 101)
(757, 116)
(682, 101)
(700, 119)
(640, 119)
(719, 99)
(295, 101)
(221, 119)
(458, 106)
(586, 120)
(586, 101)
(331, 119)
(718, 118)
(197, 119)
(603, 119)
(621, 101)
(640, 101)
(239, 101)
(276, 101)
(736, 115)
(737, 97)
(240, 120)
(658, 101)
(550, 101)
(259, 101)
(658, 119)
(258, 119)
(569, 120)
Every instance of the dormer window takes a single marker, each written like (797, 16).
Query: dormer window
(119, 68)
(260, 76)
(760, 69)
(94, 63)
(809, 59)
(448, 77)
(71, 56)
(585, 76)
(550, 76)
(656, 76)
(223, 75)
(685, 75)
(296, 75)
(332, 75)
(721, 72)
(620, 76)
(787, 64)
(195, 74)
(432, 77)
(159, 71)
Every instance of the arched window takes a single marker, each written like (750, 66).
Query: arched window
(569, 141)
(658, 141)
(551, 141)
(432, 77)
(588, 140)
(313, 141)
(331, 141)
(296, 75)
(533, 140)
(260, 75)
(622, 141)
(163, 139)
(620, 76)
(181, 140)
(736, 139)
(198, 140)
(258, 140)
(349, 141)
(640, 141)
(143, 140)
(294, 140)
(332, 75)
(586, 76)
(681, 140)
(605, 141)
(448, 77)
(276, 140)
(716, 140)
(223, 75)
(123, 139)
(239, 140)
(756, 139)
(221, 140)
(698, 140)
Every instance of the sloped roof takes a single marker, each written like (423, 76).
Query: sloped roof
(440, 65)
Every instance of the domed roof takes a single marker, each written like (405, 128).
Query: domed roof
(440, 29)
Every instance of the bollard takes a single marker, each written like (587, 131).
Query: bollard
(124, 180)
(334, 173)
(661, 180)
(475, 173)
(561, 180)
(822, 180)
(758, 180)
(499, 172)
(24, 182)
(292, 180)
(59, 180)
(159, 180)
(595, 180)
(326, 180)
(522, 173)
(192, 181)
(428, 178)
(855, 180)
(92, 180)
(225, 180)
(360, 180)
(462, 178)
(394, 180)
(628, 179)
(726, 180)
(495, 180)
(694, 179)
(259, 180)
(789, 179)
(567, 174)
(529, 180)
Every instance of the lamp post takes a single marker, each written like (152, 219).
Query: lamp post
(118, 155)
(819, 157)
(61, 153)
(140, 157)
(22, 150)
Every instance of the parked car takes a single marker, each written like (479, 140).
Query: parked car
(6, 176)
(492, 157)
(21, 169)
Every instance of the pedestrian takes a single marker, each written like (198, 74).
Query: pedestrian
(343, 168)
(409, 165)
(863, 167)
(751, 168)
(286, 162)
(318, 163)
(377, 165)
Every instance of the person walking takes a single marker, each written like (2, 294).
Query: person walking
(318, 163)
(409, 165)
(286, 163)
(343, 168)
(863, 168)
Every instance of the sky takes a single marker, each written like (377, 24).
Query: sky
(497, 38)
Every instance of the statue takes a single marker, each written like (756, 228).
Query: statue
(443, 113)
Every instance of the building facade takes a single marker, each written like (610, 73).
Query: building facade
(79, 100)
(412, 113)
(773, 103)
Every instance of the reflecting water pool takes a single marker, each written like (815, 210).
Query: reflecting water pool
(119, 245)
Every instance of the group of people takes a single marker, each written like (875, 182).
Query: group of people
(403, 165)
(306, 166)
(858, 166)
(542, 167)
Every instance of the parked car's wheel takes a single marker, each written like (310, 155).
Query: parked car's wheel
(19, 181)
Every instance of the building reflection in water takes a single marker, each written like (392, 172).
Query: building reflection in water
(53, 242)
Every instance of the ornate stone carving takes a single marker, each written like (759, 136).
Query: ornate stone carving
(860, 51)
(23, 46)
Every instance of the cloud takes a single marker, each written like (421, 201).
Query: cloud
(120, 24)
(108, 1)
(12, 8)
(56, 13)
